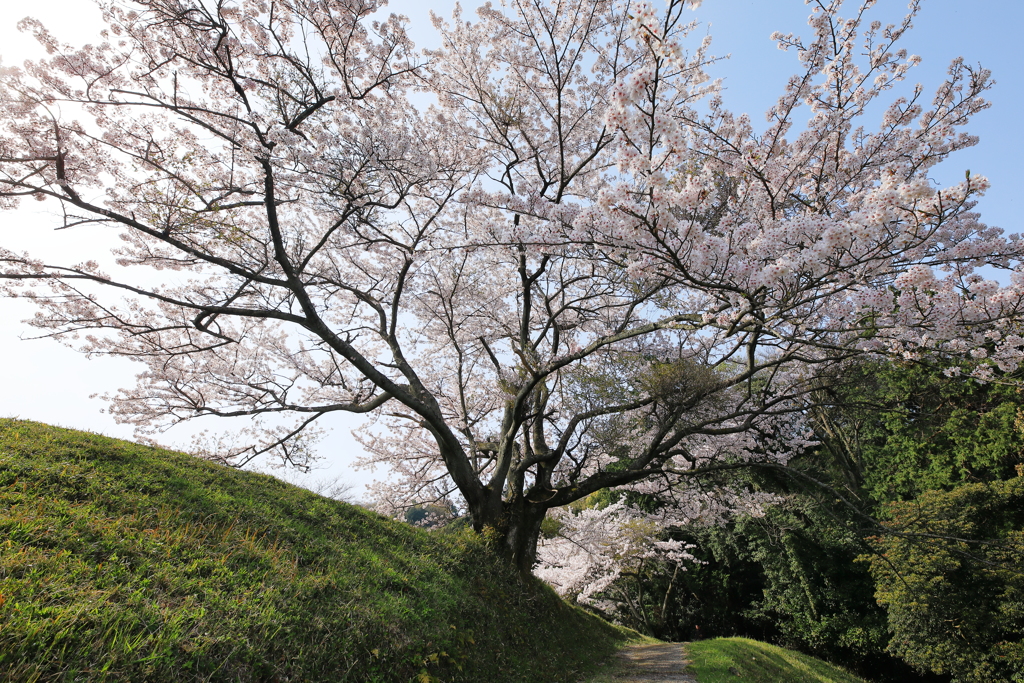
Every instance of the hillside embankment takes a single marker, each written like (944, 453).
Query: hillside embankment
(122, 562)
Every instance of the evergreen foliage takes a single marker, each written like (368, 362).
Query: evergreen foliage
(951, 574)
(897, 430)
(904, 448)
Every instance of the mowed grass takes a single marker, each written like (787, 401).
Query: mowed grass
(121, 562)
(741, 660)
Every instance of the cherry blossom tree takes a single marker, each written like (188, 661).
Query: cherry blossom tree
(602, 553)
(595, 549)
(575, 270)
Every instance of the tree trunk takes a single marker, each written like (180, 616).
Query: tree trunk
(514, 528)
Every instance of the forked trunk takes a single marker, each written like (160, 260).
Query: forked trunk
(514, 527)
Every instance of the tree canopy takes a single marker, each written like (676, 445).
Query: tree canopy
(576, 269)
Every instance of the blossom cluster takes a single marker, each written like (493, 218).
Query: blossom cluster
(573, 268)
(595, 546)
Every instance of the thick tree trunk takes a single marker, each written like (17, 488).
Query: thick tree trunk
(514, 527)
(519, 543)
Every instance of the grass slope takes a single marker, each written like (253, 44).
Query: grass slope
(121, 562)
(741, 660)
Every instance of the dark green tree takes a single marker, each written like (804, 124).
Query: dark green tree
(891, 431)
(950, 572)
(888, 432)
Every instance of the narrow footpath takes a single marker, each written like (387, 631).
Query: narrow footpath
(661, 663)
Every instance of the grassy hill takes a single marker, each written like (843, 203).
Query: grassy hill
(121, 562)
(721, 660)
(741, 660)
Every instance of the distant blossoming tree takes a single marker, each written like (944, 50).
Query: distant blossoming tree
(575, 270)
(603, 553)
(597, 547)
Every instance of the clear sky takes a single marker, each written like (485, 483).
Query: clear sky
(42, 380)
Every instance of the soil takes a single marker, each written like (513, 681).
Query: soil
(661, 663)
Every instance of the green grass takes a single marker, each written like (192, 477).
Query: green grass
(121, 562)
(740, 660)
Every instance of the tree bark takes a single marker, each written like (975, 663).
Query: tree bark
(513, 527)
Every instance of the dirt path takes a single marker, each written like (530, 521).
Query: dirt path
(661, 663)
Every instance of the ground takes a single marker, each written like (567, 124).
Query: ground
(660, 663)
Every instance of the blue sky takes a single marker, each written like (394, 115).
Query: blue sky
(47, 382)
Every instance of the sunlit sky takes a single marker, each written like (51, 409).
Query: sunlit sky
(44, 381)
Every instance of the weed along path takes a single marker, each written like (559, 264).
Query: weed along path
(658, 663)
